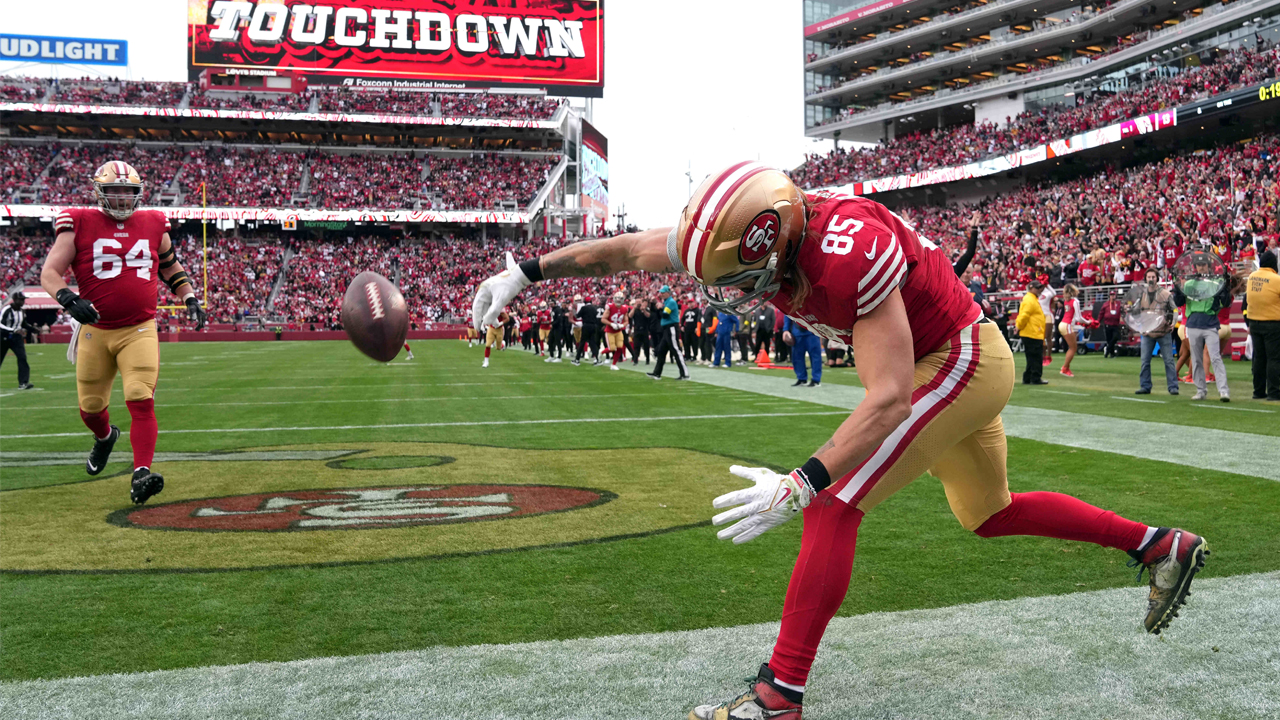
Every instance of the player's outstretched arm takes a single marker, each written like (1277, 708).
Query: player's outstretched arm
(646, 250)
(56, 265)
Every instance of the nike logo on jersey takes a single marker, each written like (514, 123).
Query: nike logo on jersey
(872, 252)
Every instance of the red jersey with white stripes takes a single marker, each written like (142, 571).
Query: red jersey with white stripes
(615, 317)
(116, 263)
(856, 251)
(1071, 314)
(544, 319)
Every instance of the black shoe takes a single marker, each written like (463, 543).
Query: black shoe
(145, 484)
(798, 383)
(814, 383)
(1141, 392)
(1173, 391)
(655, 376)
(101, 452)
(1225, 398)
(682, 377)
(1039, 382)
(1259, 397)
(576, 362)
(26, 386)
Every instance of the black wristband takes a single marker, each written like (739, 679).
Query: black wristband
(532, 269)
(816, 473)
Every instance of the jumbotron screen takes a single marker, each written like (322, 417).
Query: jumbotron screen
(419, 44)
(595, 171)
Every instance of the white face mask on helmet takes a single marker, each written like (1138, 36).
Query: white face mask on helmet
(118, 188)
(737, 234)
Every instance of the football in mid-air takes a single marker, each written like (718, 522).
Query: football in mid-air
(375, 316)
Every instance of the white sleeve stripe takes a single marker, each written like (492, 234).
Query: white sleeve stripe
(875, 302)
(888, 253)
(883, 277)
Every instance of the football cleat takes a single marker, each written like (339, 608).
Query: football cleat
(613, 367)
(762, 701)
(485, 364)
(145, 484)
(101, 452)
(1173, 558)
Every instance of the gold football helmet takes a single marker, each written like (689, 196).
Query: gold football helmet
(119, 189)
(741, 229)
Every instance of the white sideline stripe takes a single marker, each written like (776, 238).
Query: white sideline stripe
(1064, 392)
(223, 390)
(1129, 399)
(1205, 448)
(430, 398)
(1081, 655)
(475, 423)
(1237, 409)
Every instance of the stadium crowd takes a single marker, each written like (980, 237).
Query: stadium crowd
(1110, 227)
(254, 177)
(956, 145)
(396, 102)
(18, 253)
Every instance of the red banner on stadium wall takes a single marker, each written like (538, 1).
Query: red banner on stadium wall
(412, 44)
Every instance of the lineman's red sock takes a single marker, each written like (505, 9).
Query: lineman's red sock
(99, 423)
(818, 586)
(1050, 514)
(142, 434)
(486, 352)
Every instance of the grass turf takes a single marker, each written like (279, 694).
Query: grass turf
(912, 554)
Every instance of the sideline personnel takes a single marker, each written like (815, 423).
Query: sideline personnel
(1262, 300)
(13, 323)
(670, 338)
(1031, 330)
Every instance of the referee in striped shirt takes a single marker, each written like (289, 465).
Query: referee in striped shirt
(13, 324)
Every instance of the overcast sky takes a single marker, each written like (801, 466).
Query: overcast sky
(698, 83)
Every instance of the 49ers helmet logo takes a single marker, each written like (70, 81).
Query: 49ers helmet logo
(361, 508)
(759, 237)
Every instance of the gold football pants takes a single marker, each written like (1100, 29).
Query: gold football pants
(133, 351)
(954, 431)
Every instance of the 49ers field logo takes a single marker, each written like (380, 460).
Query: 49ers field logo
(339, 503)
(759, 237)
(361, 508)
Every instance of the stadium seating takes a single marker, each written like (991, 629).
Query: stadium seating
(17, 255)
(95, 92)
(392, 102)
(255, 177)
(956, 145)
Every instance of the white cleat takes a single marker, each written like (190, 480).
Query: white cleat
(613, 367)
(486, 363)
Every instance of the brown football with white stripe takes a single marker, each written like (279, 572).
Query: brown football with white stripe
(375, 316)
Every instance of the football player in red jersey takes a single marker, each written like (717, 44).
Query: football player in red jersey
(117, 252)
(544, 326)
(937, 375)
(615, 323)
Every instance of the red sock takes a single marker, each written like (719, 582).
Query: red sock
(818, 585)
(143, 431)
(486, 352)
(99, 423)
(406, 348)
(1050, 514)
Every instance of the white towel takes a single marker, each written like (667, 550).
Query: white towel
(75, 342)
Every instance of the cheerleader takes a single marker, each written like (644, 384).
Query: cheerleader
(1071, 325)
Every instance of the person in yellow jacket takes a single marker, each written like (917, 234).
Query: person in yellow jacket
(1262, 308)
(1030, 325)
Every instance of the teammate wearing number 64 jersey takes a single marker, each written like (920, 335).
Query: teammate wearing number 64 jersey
(117, 252)
(936, 375)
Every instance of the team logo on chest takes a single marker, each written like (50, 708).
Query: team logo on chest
(759, 237)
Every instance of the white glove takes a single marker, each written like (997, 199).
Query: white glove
(496, 292)
(774, 500)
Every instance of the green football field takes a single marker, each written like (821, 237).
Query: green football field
(296, 564)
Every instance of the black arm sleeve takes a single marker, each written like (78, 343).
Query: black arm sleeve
(962, 263)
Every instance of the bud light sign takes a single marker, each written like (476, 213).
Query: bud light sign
(64, 50)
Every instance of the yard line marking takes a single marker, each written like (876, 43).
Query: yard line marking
(1121, 397)
(429, 398)
(1237, 409)
(1079, 655)
(349, 386)
(472, 423)
(1197, 447)
(1064, 392)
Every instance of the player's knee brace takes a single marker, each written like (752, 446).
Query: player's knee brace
(93, 403)
(137, 390)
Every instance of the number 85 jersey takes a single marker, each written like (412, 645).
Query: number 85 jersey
(116, 263)
(855, 252)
